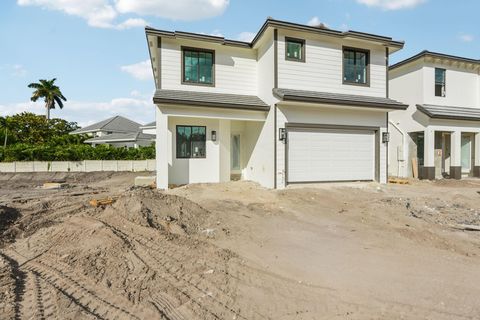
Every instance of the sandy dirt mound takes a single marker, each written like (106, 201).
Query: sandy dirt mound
(171, 213)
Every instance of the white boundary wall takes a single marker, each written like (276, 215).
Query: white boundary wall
(78, 166)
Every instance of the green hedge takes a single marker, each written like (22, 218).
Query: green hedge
(72, 152)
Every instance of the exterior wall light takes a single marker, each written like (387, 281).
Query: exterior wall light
(282, 134)
(214, 135)
(385, 137)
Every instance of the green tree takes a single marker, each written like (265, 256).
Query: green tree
(4, 125)
(29, 128)
(50, 93)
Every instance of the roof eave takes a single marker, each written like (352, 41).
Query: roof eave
(426, 53)
(295, 98)
(387, 41)
(264, 108)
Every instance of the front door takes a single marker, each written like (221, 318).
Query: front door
(466, 152)
(446, 143)
(235, 153)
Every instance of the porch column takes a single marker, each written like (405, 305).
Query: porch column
(428, 169)
(224, 143)
(456, 155)
(161, 149)
(476, 146)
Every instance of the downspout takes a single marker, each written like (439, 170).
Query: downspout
(404, 143)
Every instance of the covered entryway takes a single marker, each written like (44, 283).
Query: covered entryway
(322, 153)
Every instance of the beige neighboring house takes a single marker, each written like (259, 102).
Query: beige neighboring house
(441, 127)
(116, 131)
(297, 104)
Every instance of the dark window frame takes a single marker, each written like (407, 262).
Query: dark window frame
(193, 83)
(355, 50)
(443, 94)
(302, 42)
(191, 130)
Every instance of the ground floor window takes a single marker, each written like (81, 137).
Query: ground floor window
(191, 142)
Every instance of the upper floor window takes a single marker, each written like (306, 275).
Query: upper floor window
(294, 49)
(198, 66)
(440, 77)
(355, 66)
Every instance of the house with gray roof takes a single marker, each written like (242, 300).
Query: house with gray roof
(438, 136)
(297, 104)
(116, 131)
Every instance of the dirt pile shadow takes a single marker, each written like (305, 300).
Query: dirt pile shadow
(8, 217)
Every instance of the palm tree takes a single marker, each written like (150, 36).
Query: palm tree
(51, 94)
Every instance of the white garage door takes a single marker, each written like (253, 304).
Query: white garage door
(330, 155)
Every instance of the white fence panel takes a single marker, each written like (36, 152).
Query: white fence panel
(78, 166)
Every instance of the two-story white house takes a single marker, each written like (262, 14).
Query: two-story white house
(297, 104)
(439, 134)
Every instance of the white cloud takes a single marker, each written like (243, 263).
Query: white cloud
(141, 70)
(315, 22)
(392, 4)
(466, 37)
(131, 23)
(105, 13)
(246, 36)
(174, 10)
(87, 112)
(16, 70)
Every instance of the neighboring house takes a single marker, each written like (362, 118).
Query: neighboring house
(149, 128)
(298, 104)
(440, 130)
(128, 140)
(118, 132)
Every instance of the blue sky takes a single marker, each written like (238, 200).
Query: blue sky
(98, 52)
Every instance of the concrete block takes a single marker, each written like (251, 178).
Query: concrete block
(24, 166)
(139, 165)
(145, 181)
(151, 165)
(7, 167)
(124, 165)
(110, 165)
(59, 166)
(93, 165)
(76, 166)
(40, 166)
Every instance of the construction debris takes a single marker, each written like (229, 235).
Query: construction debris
(54, 185)
(398, 180)
(148, 182)
(101, 202)
(467, 227)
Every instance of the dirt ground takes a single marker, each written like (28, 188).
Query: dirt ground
(237, 251)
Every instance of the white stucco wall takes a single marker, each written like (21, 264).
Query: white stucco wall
(183, 171)
(323, 67)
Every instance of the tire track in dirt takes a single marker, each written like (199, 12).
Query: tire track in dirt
(101, 304)
(190, 286)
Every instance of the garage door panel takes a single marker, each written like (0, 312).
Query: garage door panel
(330, 155)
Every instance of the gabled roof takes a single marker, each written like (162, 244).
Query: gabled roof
(426, 53)
(209, 99)
(338, 99)
(270, 22)
(113, 124)
(122, 137)
(448, 112)
(149, 125)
